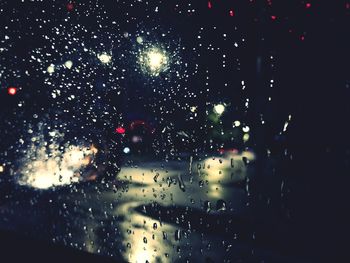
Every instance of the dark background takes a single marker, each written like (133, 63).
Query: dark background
(311, 69)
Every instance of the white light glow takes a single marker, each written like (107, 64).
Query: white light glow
(154, 61)
(246, 129)
(104, 58)
(68, 64)
(236, 123)
(219, 109)
(193, 108)
(51, 69)
(45, 168)
(139, 40)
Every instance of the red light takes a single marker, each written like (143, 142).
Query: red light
(12, 91)
(232, 13)
(70, 6)
(229, 150)
(308, 5)
(209, 5)
(273, 17)
(302, 38)
(120, 130)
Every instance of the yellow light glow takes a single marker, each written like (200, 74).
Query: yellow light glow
(246, 137)
(154, 61)
(68, 64)
(51, 69)
(59, 169)
(236, 123)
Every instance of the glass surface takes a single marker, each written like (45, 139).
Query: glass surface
(175, 131)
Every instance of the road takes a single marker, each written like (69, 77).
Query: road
(188, 210)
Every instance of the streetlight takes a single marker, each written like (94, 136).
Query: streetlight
(154, 61)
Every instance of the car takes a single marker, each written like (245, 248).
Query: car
(139, 137)
(46, 143)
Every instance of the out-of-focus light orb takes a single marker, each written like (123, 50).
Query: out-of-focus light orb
(219, 109)
(2, 169)
(120, 130)
(193, 108)
(104, 58)
(246, 137)
(136, 139)
(70, 7)
(51, 69)
(139, 40)
(154, 61)
(61, 168)
(12, 91)
(126, 150)
(68, 64)
(236, 123)
(246, 129)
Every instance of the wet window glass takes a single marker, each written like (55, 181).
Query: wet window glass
(173, 131)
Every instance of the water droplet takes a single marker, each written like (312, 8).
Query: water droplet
(221, 205)
(155, 178)
(201, 183)
(207, 206)
(245, 160)
(177, 235)
(181, 183)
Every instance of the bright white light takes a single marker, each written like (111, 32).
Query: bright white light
(246, 129)
(139, 40)
(154, 61)
(2, 169)
(193, 108)
(104, 58)
(219, 109)
(51, 69)
(236, 123)
(126, 150)
(68, 64)
(60, 168)
(230, 163)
